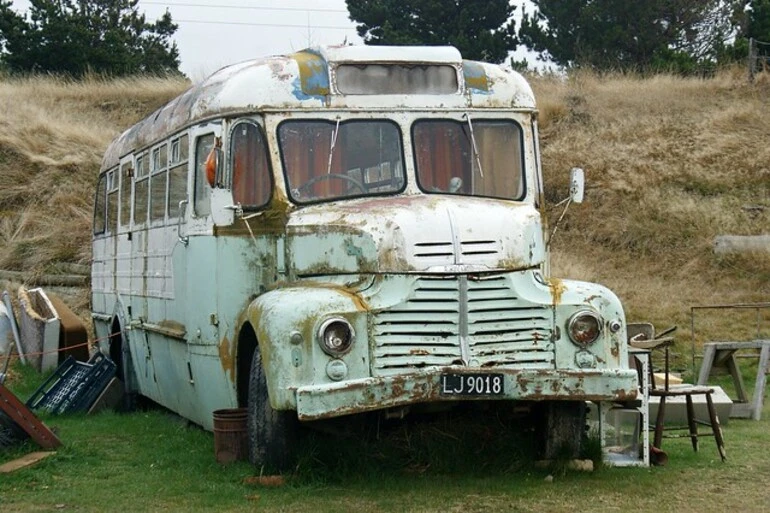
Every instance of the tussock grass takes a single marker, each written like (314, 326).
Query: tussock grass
(671, 162)
(53, 133)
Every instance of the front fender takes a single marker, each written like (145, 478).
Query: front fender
(611, 350)
(286, 322)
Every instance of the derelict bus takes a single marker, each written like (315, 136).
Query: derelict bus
(343, 230)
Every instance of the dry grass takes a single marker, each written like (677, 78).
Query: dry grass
(670, 163)
(52, 136)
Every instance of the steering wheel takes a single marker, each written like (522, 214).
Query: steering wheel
(329, 176)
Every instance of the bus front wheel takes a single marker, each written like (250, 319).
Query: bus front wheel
(272, 433)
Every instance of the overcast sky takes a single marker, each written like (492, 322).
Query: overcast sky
(214, 33)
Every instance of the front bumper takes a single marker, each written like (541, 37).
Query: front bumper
(356, 396)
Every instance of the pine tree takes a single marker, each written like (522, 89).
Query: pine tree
(480, 29)
(618, 34)
(75, 37)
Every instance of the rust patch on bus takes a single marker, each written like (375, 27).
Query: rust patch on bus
(226, 357)
(271, 221)
(557, 289)
(172, 325)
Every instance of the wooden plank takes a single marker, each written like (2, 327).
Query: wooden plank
(24, 461)
(759, 386)
(726, 244)
(709, 351)
(753, 344)
(27, 420)
(56, 280)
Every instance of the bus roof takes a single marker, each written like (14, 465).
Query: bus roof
(339, 77)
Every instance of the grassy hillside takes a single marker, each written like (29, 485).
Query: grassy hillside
(670, 163)
(52, 136)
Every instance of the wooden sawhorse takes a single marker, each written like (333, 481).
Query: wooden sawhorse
(722, 354)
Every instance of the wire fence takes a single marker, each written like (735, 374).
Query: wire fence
(759, 57)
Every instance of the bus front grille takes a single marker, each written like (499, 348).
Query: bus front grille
(462, 321)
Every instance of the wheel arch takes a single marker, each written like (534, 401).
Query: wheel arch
(247, 344)
(116, 348)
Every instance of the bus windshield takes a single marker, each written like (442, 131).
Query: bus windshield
(472, 157)
(326, 160)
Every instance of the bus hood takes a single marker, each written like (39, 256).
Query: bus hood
(417, 234)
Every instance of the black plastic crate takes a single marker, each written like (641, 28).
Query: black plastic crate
(74, 385)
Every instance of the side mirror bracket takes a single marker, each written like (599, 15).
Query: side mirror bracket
(576, 195)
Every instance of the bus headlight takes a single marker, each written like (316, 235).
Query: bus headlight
(335, 336)
(584, 328)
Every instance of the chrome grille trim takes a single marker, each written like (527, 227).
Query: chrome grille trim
(434, 327)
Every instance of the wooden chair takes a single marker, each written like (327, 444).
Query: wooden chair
(644, 338)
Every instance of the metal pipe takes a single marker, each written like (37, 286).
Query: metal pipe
(14, 328)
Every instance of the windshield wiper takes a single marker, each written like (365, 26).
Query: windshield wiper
(473, 143)
(331, 147)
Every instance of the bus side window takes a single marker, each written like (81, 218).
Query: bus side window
(158, 184)
(100, 210)
(177, 178)
(126, 173)
(141, 186)
(202, 190)
(112, 201)
(249, 166)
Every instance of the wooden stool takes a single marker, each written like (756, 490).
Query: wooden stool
(692, 423)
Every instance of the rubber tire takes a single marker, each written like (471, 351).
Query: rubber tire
(563, 430)
(272, 433)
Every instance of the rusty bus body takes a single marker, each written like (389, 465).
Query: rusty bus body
(342, 230)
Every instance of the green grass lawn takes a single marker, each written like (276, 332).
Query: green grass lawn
(153, 461)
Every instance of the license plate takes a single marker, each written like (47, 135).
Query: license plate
(472, 384)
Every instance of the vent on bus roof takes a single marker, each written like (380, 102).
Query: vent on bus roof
(396, 79)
